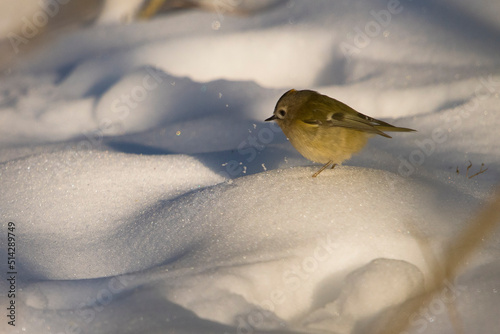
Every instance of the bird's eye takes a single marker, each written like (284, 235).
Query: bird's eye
(282, 113)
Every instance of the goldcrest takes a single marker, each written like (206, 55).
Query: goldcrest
(323, 129)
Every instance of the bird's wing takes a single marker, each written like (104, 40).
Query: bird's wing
(333, 113)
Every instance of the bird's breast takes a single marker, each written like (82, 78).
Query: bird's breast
(323, 143)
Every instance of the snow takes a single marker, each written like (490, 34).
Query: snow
(380, 284)
(149, 195)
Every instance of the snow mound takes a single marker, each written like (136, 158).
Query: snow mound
(380, 284)
(204, 250)
(149, 195)
(88, 198)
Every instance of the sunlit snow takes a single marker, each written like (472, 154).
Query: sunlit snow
(149, 195)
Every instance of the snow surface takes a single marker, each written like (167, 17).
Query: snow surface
(149, 196)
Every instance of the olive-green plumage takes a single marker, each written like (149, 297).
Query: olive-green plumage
(323, 129)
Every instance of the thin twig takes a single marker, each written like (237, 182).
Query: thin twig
(481, 171)
(468, 167)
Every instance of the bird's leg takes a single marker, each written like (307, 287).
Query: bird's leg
(323, 168)
(333, 166)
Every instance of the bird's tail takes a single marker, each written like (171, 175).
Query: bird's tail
(390, 128)
(393, 129)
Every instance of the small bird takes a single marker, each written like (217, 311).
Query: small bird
(323, 129)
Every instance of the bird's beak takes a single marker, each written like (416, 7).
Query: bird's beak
(272, 118)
